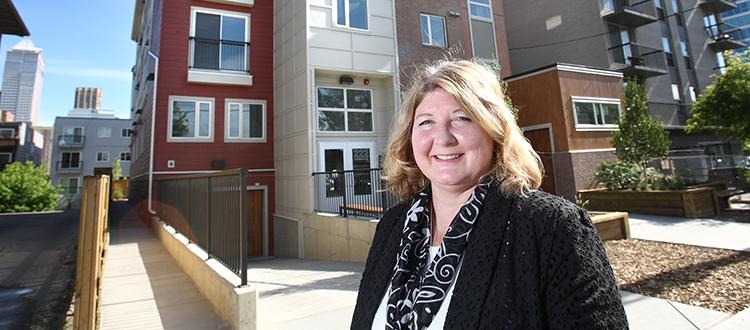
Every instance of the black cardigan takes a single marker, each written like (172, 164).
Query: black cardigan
(533, 262)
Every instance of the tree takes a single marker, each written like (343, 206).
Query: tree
(639, 138)
(725, 104)
(26, 188)
(116, 169)
(495, 68)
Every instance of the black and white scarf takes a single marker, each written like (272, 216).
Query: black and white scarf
(418, 287)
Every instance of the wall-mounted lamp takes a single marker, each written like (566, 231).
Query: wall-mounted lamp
(453, 13)
(346, 80)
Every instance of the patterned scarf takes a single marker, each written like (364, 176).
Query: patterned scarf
(418, 287)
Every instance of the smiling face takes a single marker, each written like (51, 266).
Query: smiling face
(450, 149)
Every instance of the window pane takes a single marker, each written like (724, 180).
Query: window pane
(610, 114)
(331, 98)
(585, 113)
(233, 44)
(676, 91)
(425, 30)
(665, 44)
(357, 99)
(334, 161)
(341, 12)
(233, 28)
(207, 36)
(204, 119)
(358, 14)
(479, 11)
(331, 121)
(360, 121)
(234, 120)
(438, 32)
(361, 161)
(255, 128)
(183, 119)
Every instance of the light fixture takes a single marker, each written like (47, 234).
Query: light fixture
(346, 80)
(453, 13)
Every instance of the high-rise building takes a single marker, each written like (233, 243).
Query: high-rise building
(22, 82)
(88, 98)
(738, 22)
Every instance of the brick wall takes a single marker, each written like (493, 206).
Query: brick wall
(573, 170)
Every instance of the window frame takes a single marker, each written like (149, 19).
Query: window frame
(126, 133)
(10, 156)
(429, 30)
(104, 129)
(67, 191)
(102, 156)
(347, 21)
(197, 100)
(676, 92)
(240, 139)
(12, 132)
(345, 110)
(79, 164)
(212, 76)
(478, 3)
(597, 102)
(124, 159)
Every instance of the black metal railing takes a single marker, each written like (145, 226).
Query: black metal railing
(645, 7)
(71, 140)
(723, 31)
(69, 190)
(637, 55)
(226, 55)
(69, 166)
(211, 211)
(353, 192)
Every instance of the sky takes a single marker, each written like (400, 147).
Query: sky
(85, 43)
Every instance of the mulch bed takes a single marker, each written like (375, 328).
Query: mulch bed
(716, 279)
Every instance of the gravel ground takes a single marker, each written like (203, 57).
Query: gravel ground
(716, 279)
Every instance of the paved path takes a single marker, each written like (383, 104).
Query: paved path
(143, 286)
(702, 232)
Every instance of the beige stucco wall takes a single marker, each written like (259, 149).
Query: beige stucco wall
(337, 238)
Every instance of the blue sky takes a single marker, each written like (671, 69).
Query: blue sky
(85, 43)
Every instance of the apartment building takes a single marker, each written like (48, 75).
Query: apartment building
(87, 143)
(737, 21)
(19, 143)
(202, 98)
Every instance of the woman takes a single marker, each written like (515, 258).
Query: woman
(475, 245)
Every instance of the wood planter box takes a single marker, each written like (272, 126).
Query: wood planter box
(690, 203)
(611, 225)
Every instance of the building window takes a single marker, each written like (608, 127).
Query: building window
(102, 156)
(105, 132)
(191, 119)
(720, 63)
(70, 160)
(69, 185)
(693, 95)
(352, 13)
(677, 13)
(676, 92)
(126, 133)
(245, 120)
(686, 55)
(660, 10)
(124, 156)
(480, 8)
(709, 22)
(72, 135)
(5, 158)
(596, 114)
(220, 40)
(666, 42)
(7, 133)
(433, 30)
(344, 110)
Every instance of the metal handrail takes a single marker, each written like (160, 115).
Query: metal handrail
(217, 48)
(359, 192)
(211, 211)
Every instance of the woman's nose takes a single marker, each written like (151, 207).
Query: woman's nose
(444, 136)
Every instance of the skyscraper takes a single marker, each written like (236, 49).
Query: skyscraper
(22, 82)
(738, 21)
(88, 98)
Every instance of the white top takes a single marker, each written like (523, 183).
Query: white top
(378, 323)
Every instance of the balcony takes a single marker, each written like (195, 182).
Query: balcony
(635, 60)
(69, 167)
(71, 141)
(352, 193)
(725, 37)
(630, 13)
(718, 6)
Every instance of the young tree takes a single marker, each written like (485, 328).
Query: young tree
(116, 169)
(25, 188)
(640, 138)
(725, 104)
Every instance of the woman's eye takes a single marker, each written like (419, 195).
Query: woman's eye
(462, 118)
(424, 122)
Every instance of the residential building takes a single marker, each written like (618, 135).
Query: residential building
(203, 100)
(88, 98)
(19, 143)
(11, 22)
(48, 138)
(88, 142)
(739, 18)
(22, 82)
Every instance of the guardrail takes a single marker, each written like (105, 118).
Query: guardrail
(353, 192)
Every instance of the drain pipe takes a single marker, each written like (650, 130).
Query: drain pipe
(151, 150)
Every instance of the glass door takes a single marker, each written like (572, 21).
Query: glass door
(349, 181)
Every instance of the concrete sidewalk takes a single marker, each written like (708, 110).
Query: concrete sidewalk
(143, 286)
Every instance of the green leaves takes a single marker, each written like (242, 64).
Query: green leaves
(26, 188)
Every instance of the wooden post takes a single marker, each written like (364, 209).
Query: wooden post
(93, 239)
(689, 205)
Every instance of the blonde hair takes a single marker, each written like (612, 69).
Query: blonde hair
(515, 165)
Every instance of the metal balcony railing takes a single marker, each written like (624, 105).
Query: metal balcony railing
(352, 193)
(725, 36)
(69, 166)
(211, 211)
(224, 55)
(638, 60)
(71, 140)
(630, 13)
(718, 6)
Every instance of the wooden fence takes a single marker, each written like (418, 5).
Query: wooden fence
(119, 184)
(93, 240)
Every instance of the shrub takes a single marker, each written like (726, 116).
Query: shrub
(26, 188)
(669, 182)
(620, 175)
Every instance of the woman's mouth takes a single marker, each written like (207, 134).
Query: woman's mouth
(447, 157)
